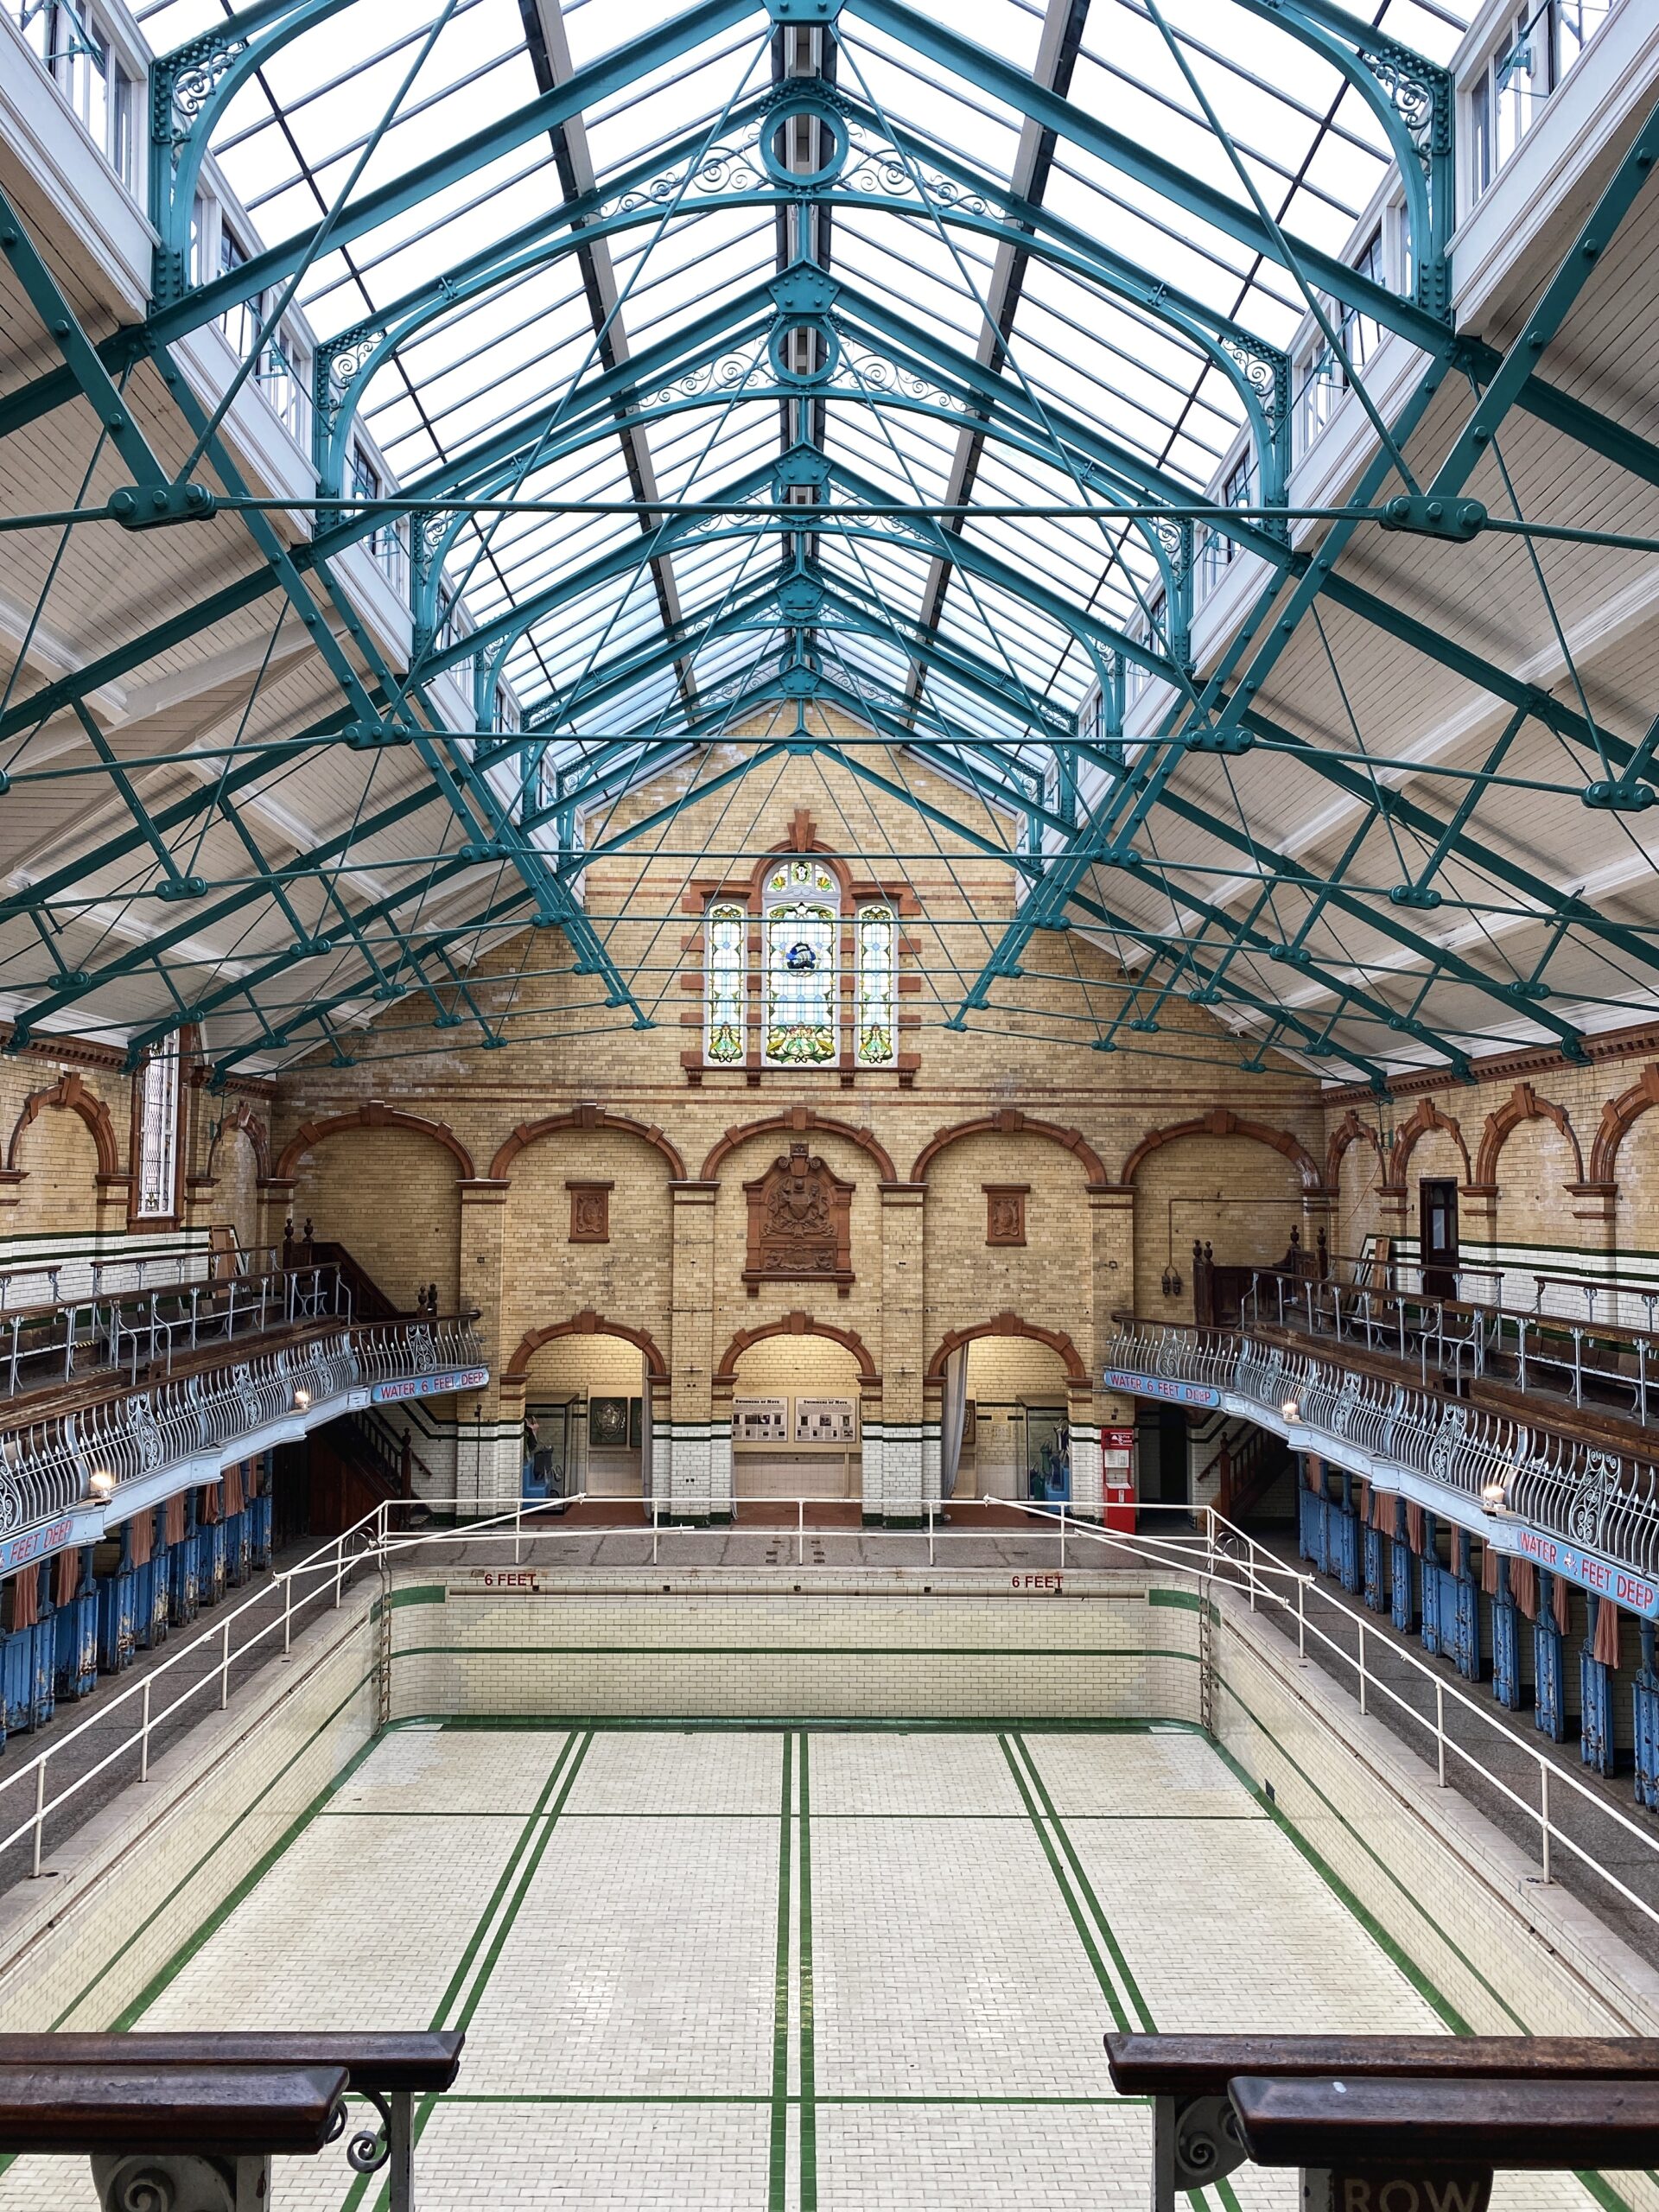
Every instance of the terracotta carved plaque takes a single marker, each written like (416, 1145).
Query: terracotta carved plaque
(799, 1223)
(590, 1213)
(1005, 1212)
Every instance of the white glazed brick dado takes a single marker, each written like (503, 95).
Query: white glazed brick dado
(1085, 1648)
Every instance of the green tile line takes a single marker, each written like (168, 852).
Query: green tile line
(527, 1857)
(778, 2152)
(1125, 1972)
(809, 2054)
(1108, 1987)
(775, 1651)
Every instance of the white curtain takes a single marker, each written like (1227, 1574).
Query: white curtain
(953, 1412)
(644, 1426)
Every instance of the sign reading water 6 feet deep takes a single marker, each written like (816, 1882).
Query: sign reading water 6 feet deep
(1636, 1592)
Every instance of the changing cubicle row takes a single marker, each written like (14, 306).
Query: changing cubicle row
(90, 1610)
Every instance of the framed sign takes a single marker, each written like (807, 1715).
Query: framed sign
(760, 1420)
(607, 1424)
(826, 1420)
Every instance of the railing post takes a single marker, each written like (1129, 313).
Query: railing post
(1440, 1732)
(400, 2139)
(800, 1532)
(1543, 1809)
(1062, 1539)
(1362, 1668)
(144, 1737)
(340, 1565)
(930, 1532)
(225, 1670)
(1301, 1616)
(40, 1812)
(518, 1521)
(287, 1611)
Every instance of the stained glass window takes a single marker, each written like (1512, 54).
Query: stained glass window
(802, 906)
(726, 932)
(876, 1037)
(158, 1133)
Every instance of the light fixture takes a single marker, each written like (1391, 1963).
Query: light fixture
(1495, 1494)
(301, 1399)
(1171, 1282)
(101, 1484)
(1290, 1409)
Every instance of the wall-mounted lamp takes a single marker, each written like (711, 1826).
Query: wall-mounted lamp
(1290, 1409)
(301, 1400)
(1171, 1282)
(101, 1484)
(1494, 1496)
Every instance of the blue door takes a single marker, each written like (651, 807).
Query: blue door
(260, 1529)
(1404, 1619)
(1342, 1528)
(1431, 1587)
(1372, 1553)
(238, 1549)
(210, 1563)
(17, 1679)
(1506, 1643)
(1646, 1696)
(182, 1590)
(1461, 1609)
(1595, 1700)
(77, 1639)
(117, 1623)
(1547, 1713)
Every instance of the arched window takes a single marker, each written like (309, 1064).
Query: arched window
(875, 1027)
(726, 934)
(158, 1136)
(801, 967)
(800, 907)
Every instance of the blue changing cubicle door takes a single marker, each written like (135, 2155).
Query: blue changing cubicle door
(77, 1637)
(1548, 1710)
(1430, 1584)
(1646, 1696)
(1342, 1535)
(1371, 1555)
(1506, 1643)
(210, 1562)
(259, 1526)
(1595, 1699)
(1461, 1609)
(1401, 1576)
(184, 1589)
(117, 1601)
(238, 1549)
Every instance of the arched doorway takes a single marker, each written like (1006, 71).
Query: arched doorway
(586, 1416)
(1016, 1434)
(796, 1419)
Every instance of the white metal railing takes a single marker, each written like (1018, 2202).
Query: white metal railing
(1556, 1344)
(26, 1283)
(1605, 1499)
(47, 1466)
(1205, 1545)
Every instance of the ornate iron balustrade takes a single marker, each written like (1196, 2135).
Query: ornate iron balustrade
(46, 1467)
(1605, 1500)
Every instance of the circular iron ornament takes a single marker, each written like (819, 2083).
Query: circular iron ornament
(835, 160)
(829, 345)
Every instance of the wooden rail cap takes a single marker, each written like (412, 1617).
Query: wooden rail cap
(219, 2112)
(423, 2061)
(1203, 2066)
(1461, 2127)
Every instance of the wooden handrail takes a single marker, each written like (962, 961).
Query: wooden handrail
(423, 2062)
(1202, 2066)
(1550, 2125)
(202, 2111)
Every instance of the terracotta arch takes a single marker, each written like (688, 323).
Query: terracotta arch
(1011, 1123)
(1616, 1116)
(243, 1117)
(1352, 1130)
(1222, 1121)
(71, 1093)
(586, 1323)
(585, 1117)
(1522, 1104)
(374, 1115)
(796, 1324)
(1425, 1116)
(1010, 1325)
(797, 1119)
